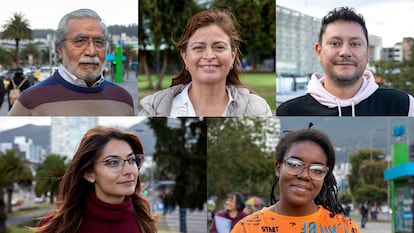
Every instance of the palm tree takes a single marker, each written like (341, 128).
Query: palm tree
(17, 28)
(16, 170)
(3, 215)
(12, 169)
(49, 174)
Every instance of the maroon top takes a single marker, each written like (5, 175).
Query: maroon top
(103, 217)
(225, 214)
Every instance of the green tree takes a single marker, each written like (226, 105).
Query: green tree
(257, 29)
(180, 155)
(367, 168)
(237, 160)
(15, 170)
(160, 21)
(131, 55)
(31, 50)
(17, 28)
(371, 194)
(49, 174)
(6, 56)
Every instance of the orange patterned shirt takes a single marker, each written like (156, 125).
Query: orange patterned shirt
(265, 220)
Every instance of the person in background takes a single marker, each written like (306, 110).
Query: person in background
(234, 211)
(208, 84)
(100, 191)
(18, 81)
(78, 87)
(304, 164)
(364, 214)
(346, 88)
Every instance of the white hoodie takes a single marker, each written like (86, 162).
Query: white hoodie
(368, 87)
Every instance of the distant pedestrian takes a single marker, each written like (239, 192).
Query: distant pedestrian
(347, 210)
(17, 85)
(231, 215)
(78, 87)
(364, 214)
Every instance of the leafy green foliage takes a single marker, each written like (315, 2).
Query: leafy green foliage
(367, 170)
(49, 174)
(238, 157)
(17, 28)
(180, 155)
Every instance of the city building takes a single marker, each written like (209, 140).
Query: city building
(66, 133)
(400, 52)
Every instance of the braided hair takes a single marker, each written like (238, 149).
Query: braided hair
(327, 197)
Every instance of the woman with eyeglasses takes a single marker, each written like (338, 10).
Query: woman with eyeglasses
(100, 191)
(308, 189)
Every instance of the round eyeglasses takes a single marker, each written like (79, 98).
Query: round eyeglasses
(117, 164)
(296, 167)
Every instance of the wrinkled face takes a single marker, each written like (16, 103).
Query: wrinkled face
(82, 53)
(209, 56)
(344, 52)
(112, 186)
(300, 190)
(231, 203)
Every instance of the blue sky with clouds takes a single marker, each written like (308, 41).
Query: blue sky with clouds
(389, 19)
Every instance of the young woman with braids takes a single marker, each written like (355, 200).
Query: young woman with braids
(308, 190)
(100, 191)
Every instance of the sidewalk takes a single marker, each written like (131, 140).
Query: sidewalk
(374, 226)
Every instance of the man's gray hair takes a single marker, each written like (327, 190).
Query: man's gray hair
(61, 32)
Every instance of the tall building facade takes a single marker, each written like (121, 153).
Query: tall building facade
(66, 133)
(296, 35)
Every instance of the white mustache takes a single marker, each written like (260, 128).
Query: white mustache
(93, 60)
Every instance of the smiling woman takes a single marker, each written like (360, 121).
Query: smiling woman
(303, 170)
(100, 191)
(208, 84)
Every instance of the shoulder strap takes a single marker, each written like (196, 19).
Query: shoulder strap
(21, 84)
(14, 84)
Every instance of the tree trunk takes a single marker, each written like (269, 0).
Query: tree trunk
(144, 62)
(163, 68)
(183, 221)
(9, 197)
(3, 215)
(17, 52)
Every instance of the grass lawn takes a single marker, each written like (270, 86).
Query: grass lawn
(264, 84)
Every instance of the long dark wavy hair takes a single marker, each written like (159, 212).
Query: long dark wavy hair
(75, 189)
(328, 196)
(224, 19)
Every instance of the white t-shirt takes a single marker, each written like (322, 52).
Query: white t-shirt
(182, 106)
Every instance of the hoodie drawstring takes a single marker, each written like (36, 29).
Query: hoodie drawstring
(353, 107)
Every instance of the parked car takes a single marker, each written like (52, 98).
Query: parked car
(46, 71)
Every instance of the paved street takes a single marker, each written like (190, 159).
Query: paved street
(196, 221)
(130, 84)
(381, 226)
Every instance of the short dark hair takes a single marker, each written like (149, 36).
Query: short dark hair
(346, 14)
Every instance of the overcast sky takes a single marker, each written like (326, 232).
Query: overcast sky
(15, 122)
(45, 14)
(389, 19)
